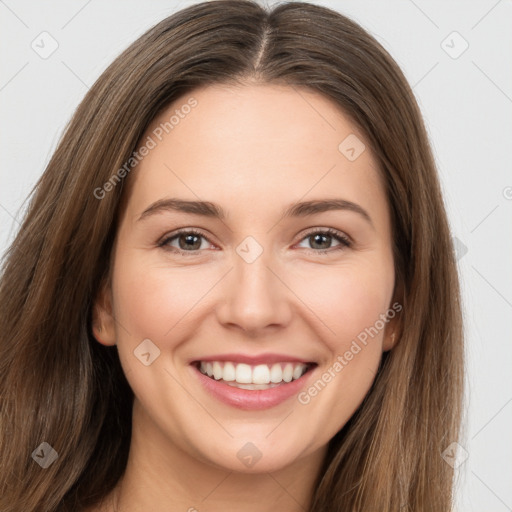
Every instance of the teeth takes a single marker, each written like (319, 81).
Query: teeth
(229, 373)
(260, 376)
(217, 371)
(288, 373)
(243, 374)
(252, 386)
(296, 373)
(276, 373)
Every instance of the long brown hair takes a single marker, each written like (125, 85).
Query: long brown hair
(58, 385)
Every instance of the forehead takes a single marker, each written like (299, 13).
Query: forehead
(250, 144)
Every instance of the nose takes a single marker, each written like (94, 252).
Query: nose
(255, 297)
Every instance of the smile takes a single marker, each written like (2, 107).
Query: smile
(252, 384)
(245, 376)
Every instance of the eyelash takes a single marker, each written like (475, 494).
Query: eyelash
(345, 242)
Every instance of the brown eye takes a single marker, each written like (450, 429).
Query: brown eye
(185, 241)
(322, 241)
(191, 242)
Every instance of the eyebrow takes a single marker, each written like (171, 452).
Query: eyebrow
(209, 209)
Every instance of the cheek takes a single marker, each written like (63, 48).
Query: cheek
(153, 300)
(350, 302)
(347, 299)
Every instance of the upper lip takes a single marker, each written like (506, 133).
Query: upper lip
(254, 359)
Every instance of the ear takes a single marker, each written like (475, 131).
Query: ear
(103, 323)
(392, 332)
(391, 337)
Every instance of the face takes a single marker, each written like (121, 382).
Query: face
(254, 245)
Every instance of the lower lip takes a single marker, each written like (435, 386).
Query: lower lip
(252, 399)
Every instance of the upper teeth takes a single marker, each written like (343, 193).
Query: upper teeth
(247, 374)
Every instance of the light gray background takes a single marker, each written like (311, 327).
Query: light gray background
(467, 104)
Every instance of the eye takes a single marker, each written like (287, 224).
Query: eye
(189, 240)
(321, 240)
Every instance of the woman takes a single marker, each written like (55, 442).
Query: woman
(234, 288)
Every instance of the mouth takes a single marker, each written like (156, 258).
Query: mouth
(253, 383)
(253, 377)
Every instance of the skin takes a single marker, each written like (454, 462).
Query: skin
(253, 150)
